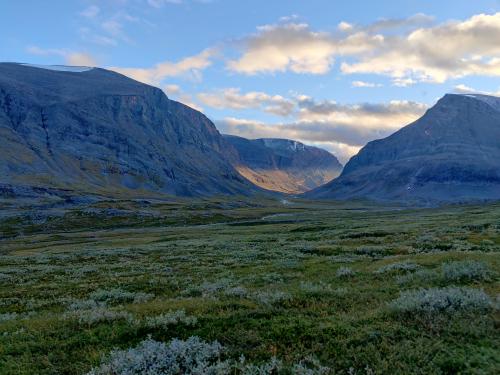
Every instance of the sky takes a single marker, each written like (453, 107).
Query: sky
(335, 74)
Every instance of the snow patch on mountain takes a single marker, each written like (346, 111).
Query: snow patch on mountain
(61, 68)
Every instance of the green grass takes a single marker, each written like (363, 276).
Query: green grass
(262, 288)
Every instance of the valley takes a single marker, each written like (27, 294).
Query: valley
(328, 286)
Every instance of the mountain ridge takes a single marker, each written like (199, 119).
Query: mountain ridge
(450, 154)
(283, 165)
(100, 131)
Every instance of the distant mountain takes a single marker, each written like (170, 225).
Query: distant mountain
(283, 165)
(93, 130)
(451, 154)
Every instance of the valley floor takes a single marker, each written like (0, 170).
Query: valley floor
(344, 288)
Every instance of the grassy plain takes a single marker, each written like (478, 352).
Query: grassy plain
(294, 280)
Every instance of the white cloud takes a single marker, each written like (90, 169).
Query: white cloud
(90, 12)
(345, 26)
(80, 59)
(232, 98)
(171, 89)
(345, 128)
(365, 84)
(408, 50)
(35, 50)
(175, 92)
(189, 66)
(160, 3)
(70, 57)
(436, 54)
(291, 47)
(464, 89)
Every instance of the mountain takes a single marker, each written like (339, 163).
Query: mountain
(451, 154)
(283, 165)
(92, 130)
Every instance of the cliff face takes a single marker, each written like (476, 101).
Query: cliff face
(93, 130)
(451, 154)
(283, 165)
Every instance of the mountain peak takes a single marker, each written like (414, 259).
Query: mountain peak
(96, 131)
(491, 100)
(283, 164)
(452, 153)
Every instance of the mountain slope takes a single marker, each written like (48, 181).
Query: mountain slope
(97, 131)
(283, 165)
(451, 154)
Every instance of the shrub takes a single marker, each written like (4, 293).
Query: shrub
(274, 366)
(237, 291)
(88, 304)
(420, 276)
(374, 251)
(169, 319)
(345, 272)
(441, 300)
(310, 366)
(99, 315)
(315, 288)
(8, 316)
(211, 288)
(271, 298)
(150, 357)
(345, 258)
(468, 270)
(400, 266)
(120, 296)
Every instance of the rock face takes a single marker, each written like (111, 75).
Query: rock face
(92, 130)
(451, 154)
(283, 165)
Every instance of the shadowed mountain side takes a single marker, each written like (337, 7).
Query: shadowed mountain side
(100, 132)
(451, 154)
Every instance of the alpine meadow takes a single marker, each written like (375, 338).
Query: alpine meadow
(216, 187)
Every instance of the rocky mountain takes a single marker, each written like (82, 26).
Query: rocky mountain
(93, 130)
(451, 154)
(283, 165)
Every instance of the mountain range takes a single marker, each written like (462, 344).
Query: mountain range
(83, 130)
(283, 165)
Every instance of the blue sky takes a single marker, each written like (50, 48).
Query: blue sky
(331, 73)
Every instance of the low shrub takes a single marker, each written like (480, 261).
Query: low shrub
(169, 319)
(310, 366)
(315, 288)
(400, 266)
(5, 317)
(189, 357)
(120, 296)
(99, 315)
(237, 291)
(274, 366)
(193, 357)
(441, 300)
(345, 272)
(88, 304)
(271, 298)
(463, 271)
(421, 276)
